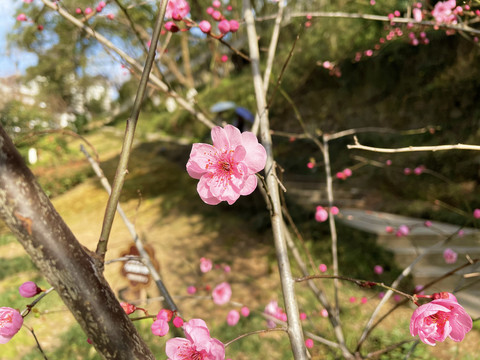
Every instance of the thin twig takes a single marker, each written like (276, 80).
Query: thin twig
(30, 306)
(359, 146)
(264, 331)
(138, 243)
(128, 139)
(36, 340)
(376, 354)
(382, 130)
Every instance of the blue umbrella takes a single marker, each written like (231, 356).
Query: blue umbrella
(223, 106)
(245, 114)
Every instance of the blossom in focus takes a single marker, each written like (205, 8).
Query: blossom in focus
(29, 289)
(10, 322)
(198, 343)
(233, 317)
(443, 12)
(227, 169)
(205, 265)
(222, 293)
(439, 319)
(177, 9)
(450, 256)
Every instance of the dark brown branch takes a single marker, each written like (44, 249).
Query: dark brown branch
(67, 265)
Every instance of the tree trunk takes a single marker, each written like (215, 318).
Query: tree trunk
(68, 266)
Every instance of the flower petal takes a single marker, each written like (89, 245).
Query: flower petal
(220, 139)
(256, 154)
(202, 157)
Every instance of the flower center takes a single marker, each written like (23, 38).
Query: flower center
(439, 319)
(5, 321)
(191, 353)
(225, 165)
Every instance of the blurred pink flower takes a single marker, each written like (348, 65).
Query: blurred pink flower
(234, 26)
(205, 26)
(417, 14)
(334, 210)
(22, 17)
(177, 9)
(177, 321)
(378, 269)
(450, 256)
(205, 265)
(245, 311)
(227, 169)
(222, 293)
(324, 313)
(309, 343)
(476, 213)
(191, 290)
(29, 289)
(197, 345)
(10, 322)
(322, 268)
(363, 300)
(160, 327)
(443, 12)
(352, 299)
(439, 319)
(224, 26)
(403, 230)
(233, 317)
(321, 214)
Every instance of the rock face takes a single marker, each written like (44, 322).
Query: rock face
(429, 243)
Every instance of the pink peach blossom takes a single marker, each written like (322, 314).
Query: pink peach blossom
(197, 345)
(191, 290)
(29, 289)
(439, 319)
(227, 169)
(363, 300)
(334, 210)
(309, 343)
(205, 265)
(88, 10)
(352, 299)
(417, 14)
(22, 17)
(177, 9)
(10, 322)
(222, 293)
(177, 321)
(216, 3)
(171, 26)
(378, 269)
(233, 317)
(165, 314)
(450, 256)
(324, 313)
(216, 15)
(443, 12)
(224, 58)
(160, 327)
(128, 308)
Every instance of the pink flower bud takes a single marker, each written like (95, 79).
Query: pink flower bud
(427, 223)
(229, 8)
(418, 170)
(334, 210)
(310, 165)
(88, 11)
(321, 214)
(29, 289)
(102, 4)
(99, 8)
(303, 316)
(160, 327)
(224, 26)
(363, 300)
(476, 213)
(224, 58)
(78, 10)
(407, 171)
(234, 25)
(165, 314)
(216, 3)
(352, 299)
(205, 26)
(177, 322)
(403, 230)
(128, 308)
(340, 175)
(227, 268)
(322, 268)
(210, 10)
(388, 162)
(191, 290)
(324, 313)
(233, 317)
(389, 229)
(377, 269)
(216, 15)
(171, 26)
(417, 14)
(309, 343)
(110, 16)
(40, 27)
(10, 322)
(245, 311)
(22, 17)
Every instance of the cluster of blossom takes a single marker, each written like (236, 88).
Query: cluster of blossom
(234, 316)
(160, 326)
(450, 256)
(227, 169)
(89, 10)
(224, 25)
(402, 230)
(441, 318)
(10, 319)
(321, 213)
(344, 174)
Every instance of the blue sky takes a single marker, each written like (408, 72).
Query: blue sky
(11, 60)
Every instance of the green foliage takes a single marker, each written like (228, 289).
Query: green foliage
(14, 265)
